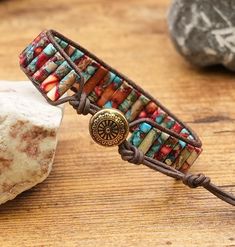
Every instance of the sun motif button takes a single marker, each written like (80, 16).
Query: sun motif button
(108, 127)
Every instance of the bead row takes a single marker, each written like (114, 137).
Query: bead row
(47, 67)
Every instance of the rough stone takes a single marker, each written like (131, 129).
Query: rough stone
(204, 31)
(28, 131)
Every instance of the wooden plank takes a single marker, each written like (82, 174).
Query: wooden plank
(92, 198)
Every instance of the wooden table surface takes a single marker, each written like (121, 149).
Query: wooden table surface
(92, 197)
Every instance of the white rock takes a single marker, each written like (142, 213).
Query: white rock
(28, 129)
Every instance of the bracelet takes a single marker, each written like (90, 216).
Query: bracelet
(120, 109)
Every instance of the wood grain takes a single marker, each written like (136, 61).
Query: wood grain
(93, 198)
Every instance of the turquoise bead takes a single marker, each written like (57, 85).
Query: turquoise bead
(144, 127)
(76, 55)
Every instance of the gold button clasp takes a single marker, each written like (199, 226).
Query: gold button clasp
(109, 127)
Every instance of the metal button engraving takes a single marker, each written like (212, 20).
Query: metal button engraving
(108, 127)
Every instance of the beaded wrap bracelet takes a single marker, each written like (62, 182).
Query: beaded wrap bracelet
(119, 108)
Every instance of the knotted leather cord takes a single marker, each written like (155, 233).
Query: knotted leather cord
(128, 152)
(133, 155)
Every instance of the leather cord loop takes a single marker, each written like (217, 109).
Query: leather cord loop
(191, 180)
(82, 105)
(194, 181)
(130, 153)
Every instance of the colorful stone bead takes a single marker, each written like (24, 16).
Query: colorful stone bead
(183, 156)
(41, 59)
(49, 67)
(148, 111)
(76, 56)
(149, 139)
(129, 101)
(34, 49)
(57, 91)
(119, 96)
(89, 71)
(166, 148)
(169, 160)
(150, 108)
(83, 62)
(62, 43)
(136, 108)
(159, 115)
(101, 86)
(139, 134)
(168, 122)
(157, 144)
(191, 159)
(109, 91)
(69, 50)
(61, 71)
(172, 156)
(177, 127)
(95, 79)
(186, 134)
(29, 47)
(53, 79)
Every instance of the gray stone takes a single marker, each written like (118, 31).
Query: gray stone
(203, 31)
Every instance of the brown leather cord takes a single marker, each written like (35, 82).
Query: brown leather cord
(51, 36)
(133, 155)
(128, 152)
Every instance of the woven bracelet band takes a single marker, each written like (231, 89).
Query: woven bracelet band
(123, 114)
